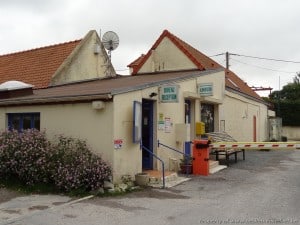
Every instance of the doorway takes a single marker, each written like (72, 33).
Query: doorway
(147, 134)
(254, 128)
(207, 116)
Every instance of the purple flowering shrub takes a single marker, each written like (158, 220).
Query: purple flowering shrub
(9, 144)
(77, 167)
(25, 155)
(68, 163)
(34, 157)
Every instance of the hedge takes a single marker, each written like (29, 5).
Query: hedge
(68, 163)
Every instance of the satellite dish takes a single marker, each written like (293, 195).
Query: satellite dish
(110, 40)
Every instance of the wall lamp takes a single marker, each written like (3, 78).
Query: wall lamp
(153, 94)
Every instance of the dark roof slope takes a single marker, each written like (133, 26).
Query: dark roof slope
(101, 88)
(35, 66)
(201, 61)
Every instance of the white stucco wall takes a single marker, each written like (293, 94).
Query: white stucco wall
(218, 81)
(292, 133)
(238, 113)
(83, 63)
(127, 159)
(77, 120)
(167, 57)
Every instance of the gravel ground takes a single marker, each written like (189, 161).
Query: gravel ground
(264, 189)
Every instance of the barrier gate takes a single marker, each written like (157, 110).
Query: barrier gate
(201, 150)
(256, 145)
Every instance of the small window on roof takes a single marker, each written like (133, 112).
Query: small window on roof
(14, 85)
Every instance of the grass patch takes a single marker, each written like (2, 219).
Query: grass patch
(15, 184)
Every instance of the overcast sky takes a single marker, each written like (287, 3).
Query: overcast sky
(262, 28)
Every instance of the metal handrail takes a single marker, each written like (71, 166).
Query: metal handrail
(173, 149)
(159, 143)
(162, 163)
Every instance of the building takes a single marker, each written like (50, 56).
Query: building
(240, 111)
(72, 88)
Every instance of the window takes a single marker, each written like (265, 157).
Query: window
(137, 121)
(207, 116)
(22, 121)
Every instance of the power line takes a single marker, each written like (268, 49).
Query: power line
(260, 67)
(217, 55)
(256, 57)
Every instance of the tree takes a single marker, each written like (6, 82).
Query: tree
(289, 92)
(297, 78)
(287, 102)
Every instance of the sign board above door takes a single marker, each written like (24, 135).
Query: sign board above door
(205, 89)
(168, 93)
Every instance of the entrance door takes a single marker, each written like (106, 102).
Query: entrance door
(254, 128)
(147, 133)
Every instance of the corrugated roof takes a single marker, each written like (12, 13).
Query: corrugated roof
(202, 62)
(102, 88)
(35, 66)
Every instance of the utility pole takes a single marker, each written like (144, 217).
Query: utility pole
(227, 61)
(279, 97)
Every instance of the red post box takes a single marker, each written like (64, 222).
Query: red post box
(201, 157)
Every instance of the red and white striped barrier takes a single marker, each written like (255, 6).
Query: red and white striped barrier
(255, 145)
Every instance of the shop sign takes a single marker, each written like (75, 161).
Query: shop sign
(169, 93)
(205, 89)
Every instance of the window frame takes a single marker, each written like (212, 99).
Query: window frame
(32, 115)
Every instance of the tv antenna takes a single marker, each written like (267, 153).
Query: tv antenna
(110, 42)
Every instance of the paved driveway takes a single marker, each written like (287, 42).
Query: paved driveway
(264, 189)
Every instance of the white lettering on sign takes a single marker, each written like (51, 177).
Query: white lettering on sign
(205, 89)
(169, 93)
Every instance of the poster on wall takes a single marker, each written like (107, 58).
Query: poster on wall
(161, 122)
(168, 125)
(118, 143)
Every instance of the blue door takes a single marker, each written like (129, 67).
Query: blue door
(147, 133)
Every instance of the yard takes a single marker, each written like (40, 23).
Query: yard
(263, 189)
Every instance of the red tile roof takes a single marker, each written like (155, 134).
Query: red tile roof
(35, 66)
(137, 61)
(201, 61)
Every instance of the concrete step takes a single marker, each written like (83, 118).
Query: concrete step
(217, 169)
(171, 180)
(213, 163)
